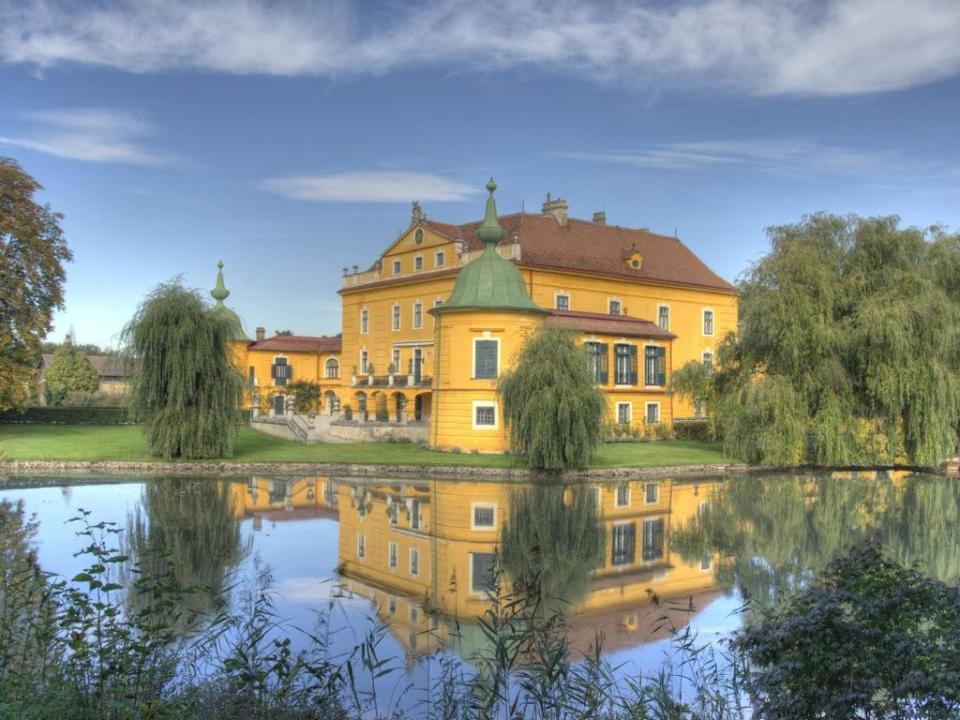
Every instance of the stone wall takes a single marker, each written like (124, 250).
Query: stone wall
(380, 432)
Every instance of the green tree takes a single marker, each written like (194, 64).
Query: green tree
(552, 408)
(848, 350)
(32, 253)
(550, 547)
(70, 372)
(306, 396)
(191, 528)
(869, 638)
(187, 392)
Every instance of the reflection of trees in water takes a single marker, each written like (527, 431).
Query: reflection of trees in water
(189, 527)
(772, 533)
(549, 547)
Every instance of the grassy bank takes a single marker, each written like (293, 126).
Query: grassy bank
(96, 443)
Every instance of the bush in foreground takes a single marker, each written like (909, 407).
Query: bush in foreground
(869, 638)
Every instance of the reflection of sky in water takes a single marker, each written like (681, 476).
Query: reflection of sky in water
(302, 556)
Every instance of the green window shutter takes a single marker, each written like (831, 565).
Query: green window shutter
(485, 360)
(604, 363)
(661, 367)
(633, 364)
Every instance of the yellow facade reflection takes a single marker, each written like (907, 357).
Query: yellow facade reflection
(422, 552)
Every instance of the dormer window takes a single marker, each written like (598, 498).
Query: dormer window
(418, 263)
(615, 307)
(635, 261)
(396, 267)
(439, 260)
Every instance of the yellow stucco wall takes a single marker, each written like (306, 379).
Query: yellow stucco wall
(457, 392)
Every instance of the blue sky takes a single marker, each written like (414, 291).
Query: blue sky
(288, 139)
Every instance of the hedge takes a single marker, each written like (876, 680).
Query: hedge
(695, 429)
(79, 416)
(69, 416)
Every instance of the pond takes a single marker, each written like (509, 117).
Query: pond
(631, 560)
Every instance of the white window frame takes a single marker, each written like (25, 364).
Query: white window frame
(395, 317)
(644, 364)
(361, 547)
(496, 415)
(326, 369)
(615, 300)
(414, 552)
(703, 322)
(473, 359)
(417, 325)
(621, 403)
(397, 267)
(440, 256)
(395, 360)
(646, 486)
(660, 307)
(364, 320)
(703, 358)
(616, 495)
(274, 362)
(473, 516)
(393, 556)
(475, 593)
(646, 414)
(364, 361)
(418, 261)
(613, 536)
(556, 299)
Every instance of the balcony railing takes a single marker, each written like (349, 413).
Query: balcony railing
(510, 251)
(396, 380)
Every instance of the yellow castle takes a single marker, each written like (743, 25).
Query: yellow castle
(430, 327)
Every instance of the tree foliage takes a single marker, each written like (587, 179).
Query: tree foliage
(849, 336)
(550, 547)
(70, 372)
(869, 638)
(187, 391)
(306, 396)
(552, 408)
(32, 253)
(771, 535)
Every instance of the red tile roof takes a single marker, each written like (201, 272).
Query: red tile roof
(607, 324)
(299, 343)
(585, 246)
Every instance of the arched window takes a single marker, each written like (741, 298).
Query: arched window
(333, 369)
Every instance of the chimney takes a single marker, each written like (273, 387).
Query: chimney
(600, 217)
(557, 209)
(261, 334)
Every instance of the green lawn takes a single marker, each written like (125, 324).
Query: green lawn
(107, 442)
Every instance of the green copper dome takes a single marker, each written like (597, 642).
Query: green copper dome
(490, 282)
(220, 293)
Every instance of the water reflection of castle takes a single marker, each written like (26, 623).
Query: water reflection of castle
(423, 551)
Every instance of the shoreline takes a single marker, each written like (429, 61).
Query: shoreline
(10, 468)
(370, 470)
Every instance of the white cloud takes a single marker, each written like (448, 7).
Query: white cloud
(90, 134)
(807, 47)
(783, 156)
(372, 186)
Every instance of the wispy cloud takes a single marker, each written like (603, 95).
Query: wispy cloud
(778, 156)
(372, 186)
(810, 47)
(90, 134)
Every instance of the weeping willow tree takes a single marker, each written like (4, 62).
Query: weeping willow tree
(848, 350)
(550, 547)
(186, 529)
(772, 535)
(187, 392)
(552, 408)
